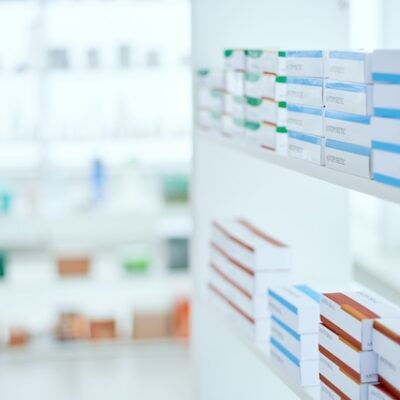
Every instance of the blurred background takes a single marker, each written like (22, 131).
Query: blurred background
(95, 146)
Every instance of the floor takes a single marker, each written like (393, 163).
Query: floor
(147, 371)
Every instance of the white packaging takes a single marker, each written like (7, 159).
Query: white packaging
(386, 163)
(267, 135)
(210, 120)
(353, 98)
(385, 130)
(305, 372)
(234, 82)
(386, 100)
(304, 91)
(349, 128)
(234, 59)
(327, 393)
(303, 347)
(250, 246)
(234, 105)
(351, 314)
(211, 99)
(386, 66)
(341, 381)
(386, 338)
(362, 364)
(378, 392)
(296, 306)
(210, 78)
(350, 66)
(232, 126)
(251, 282)
(266, 110)
(268, 60)
(306, 63)
(306, 147)
(389, 373)
(349, 158)
(303, 119)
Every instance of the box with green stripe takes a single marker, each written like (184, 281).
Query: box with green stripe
(266, 110)
(210, 78)
(233, 126)
(234, 82)
(266, 85)
(234, 105)
(267, 60)
(267, 135)
(211, 99)
(234, 59)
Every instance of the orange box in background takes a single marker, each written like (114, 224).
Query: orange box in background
(18, 337)
(181, 319)
(71, 326)
(103, 329)
(70, 266)
(151, 324)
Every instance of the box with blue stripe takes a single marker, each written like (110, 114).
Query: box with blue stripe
(309, 63)
(305, 119)
(303, 372)
(350, 66)
(306, 147)
(386, 66)
(296, 306)
(304, 91)
(348, 158)
(353, 98)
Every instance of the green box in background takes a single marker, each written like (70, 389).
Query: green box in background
(178, 254)
(175, 188)
(137, 258)
(3, 262)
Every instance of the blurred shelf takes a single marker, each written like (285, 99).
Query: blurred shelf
(347, 181)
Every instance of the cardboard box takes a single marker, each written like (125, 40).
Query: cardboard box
(103, 329)
(211, 78)
(152, 324)
(304, 91)
(352, 98)
(386, 100)
(268, 60)
(234, 59)
(349, 158)
(350, 66)
(340, 382)
(362, 365)
(386, 163)
(251, 282)
(234, 105)
(250, 246)
(378, 392)
(18, 337)
(327, 393)
(304, 372)
(71, 326)
(70, 266)
(305, 119)
(296, 306)
(309, 63)
(257, 330)
(267, 135)
(266, 110)
(306, 147)
(351, 315)
(303, 347)
(386, 66)
(234, 82)
(349, 128)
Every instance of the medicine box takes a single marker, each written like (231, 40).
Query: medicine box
(389, 373)
(211, 78)
(296, 306)
(347, 157)
(303, 347)
(250, 246)
(268, 60)
(353, 98)
(234, 59)
(305, 372)
(232, 126)
(349, 128)
(266, 85)
(351, 315)
(209, 120)
(309, 63)
(386, 66)
(326, 393)
(234, 105)
(304, 91)
(234, 82)
(360, 364)
(305, 119)
(211, 99)
(386, 163)
(386, 100)
(306, 147)
(340, 382)
(266, 110)
(378, 392)
(351, 66)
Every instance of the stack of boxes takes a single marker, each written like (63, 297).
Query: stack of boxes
(294, 332)
(233, 119)
(305, 73)
(348, 102)
(244, 263)
(386, 340)
(265, 92)
(386, 120)
(210, 99)
(348, 364)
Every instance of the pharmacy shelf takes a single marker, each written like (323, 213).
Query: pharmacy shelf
(347, 181)
(262, 353)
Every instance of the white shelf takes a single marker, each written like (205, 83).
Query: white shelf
(347, 181)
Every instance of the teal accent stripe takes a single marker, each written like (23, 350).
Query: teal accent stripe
(348, 55)
(383, 146)
(361, 119)
(304, 81)
(348, 147)
(305, 138)
(387, 112)
(290, 331)
(283, 301)
(311, 293)
(385, 77)
(387, 180)
(348, 87)
(305, 53)
(285, 351)
(305, 109)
